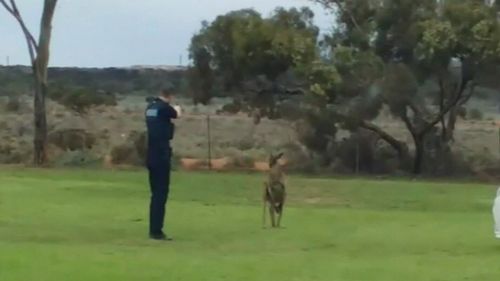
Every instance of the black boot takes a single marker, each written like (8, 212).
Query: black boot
(160, 236)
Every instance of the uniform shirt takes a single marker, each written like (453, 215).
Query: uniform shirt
(159, 115)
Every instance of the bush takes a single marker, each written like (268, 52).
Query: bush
(316, 131)
(365, 152)
(475, 114)
(72, 139)
(245, 144)
(230, 108)
(242, 162)
(82, 100)
(14, 152)
(125, 154)
(13, 104)
(4, 126)
(139, 142)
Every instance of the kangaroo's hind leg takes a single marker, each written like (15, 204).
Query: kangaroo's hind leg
(272, 215)
(280, 209)
(264, 205)
(280, 214)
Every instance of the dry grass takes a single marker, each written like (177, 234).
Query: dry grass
(233, 137)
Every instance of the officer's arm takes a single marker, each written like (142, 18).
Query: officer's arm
(168, 112)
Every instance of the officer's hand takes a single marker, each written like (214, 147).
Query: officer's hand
(178, 109)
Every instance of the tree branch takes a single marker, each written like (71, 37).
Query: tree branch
(7, 7)
(409, 125)
(30, 40)
(19, 18)
(397, 145)
(447, 109)
(470, 94)
(441, 105)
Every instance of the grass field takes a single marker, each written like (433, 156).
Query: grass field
(90, 225)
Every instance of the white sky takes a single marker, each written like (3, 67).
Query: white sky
(102, 33)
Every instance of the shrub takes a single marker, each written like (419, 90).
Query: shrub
(475, 114)
(230, 108)
(13, 104)
(4, 126)
(124, 154)
(14, 152)
(242, 162)
(245, 144)
(366, 153)
(139, 141)
(316, 131)
(72, 139)
(81, 100)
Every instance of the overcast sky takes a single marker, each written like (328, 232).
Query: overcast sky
(101, 33)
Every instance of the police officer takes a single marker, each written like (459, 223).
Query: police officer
(159, 115)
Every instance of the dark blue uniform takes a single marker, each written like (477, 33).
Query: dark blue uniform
(160, 132)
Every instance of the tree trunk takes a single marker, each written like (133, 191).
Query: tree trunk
(40, 71)
(39, 56)
(452, 120)
(40, 121)
(419, 154)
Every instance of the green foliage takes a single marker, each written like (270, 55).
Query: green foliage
(400, 88)
(384, 50)
(324, 79)
(438, 38)
(241, 46)
(317, 130)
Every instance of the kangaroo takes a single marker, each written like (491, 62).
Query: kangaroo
(274, 193)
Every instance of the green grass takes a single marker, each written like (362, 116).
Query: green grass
(90, 225)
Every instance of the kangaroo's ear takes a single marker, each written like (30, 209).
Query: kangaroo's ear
(279, 155)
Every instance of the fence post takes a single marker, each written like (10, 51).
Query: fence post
(209, 143)
(357, 154)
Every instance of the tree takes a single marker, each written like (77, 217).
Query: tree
(248, 54)
(411, 43)
(201, 75)
(39, 57)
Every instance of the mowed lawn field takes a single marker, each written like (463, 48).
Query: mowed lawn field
(92, 225)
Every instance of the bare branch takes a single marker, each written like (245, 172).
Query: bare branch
(396, 144)
(23, 25)
(447, 109)
(409, 125)
(441, 104)
(7, 7)
(467, 97)
(30, 40)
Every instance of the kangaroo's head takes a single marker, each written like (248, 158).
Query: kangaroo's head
(273, 159)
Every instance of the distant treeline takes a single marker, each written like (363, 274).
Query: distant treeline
(15, 80)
